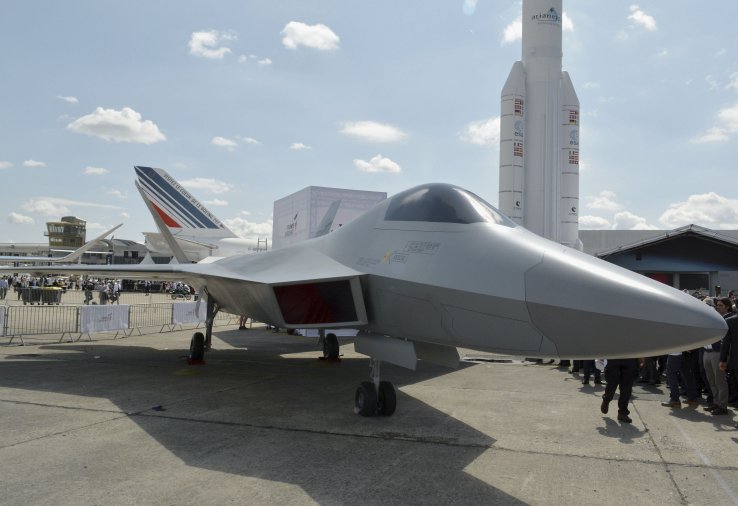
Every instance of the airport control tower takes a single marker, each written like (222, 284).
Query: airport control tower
(539, 132)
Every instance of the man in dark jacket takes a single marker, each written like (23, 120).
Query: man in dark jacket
(711, 359)
(729, 348)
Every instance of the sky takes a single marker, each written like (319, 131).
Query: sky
(245, 102)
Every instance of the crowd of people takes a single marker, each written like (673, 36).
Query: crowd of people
(702, 378)
(107, 291)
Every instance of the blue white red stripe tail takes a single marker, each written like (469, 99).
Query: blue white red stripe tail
(182, 213)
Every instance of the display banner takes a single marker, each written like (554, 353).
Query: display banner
(2, 320)
(338, 332)
(103, 318)
(186, 312)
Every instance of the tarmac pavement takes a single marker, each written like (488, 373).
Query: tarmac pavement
(127, 421)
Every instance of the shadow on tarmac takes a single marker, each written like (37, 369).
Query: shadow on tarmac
(264, 410)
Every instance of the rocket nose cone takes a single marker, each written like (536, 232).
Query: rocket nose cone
(589, 308)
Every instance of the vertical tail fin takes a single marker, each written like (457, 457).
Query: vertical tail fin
(327, 222)
(176, 208)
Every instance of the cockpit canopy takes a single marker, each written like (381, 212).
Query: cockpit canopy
(443, 203)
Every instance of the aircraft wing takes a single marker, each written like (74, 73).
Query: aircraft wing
(287, 288)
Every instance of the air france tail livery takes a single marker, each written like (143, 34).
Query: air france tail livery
(199, 235)
(198, 232)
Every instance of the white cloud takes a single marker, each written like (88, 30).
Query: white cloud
(210, 44)
(469, 7)
(71, 100)
(707, 209)
(117, 126)
(93, 225)
(96, 171)
(513, 32)
(116, 193)
(248, 140)
(222, 142)
(125, 215)
(727, 125)
(567, 24)
(625, 220)
(313, 36)
(260, 61)
(299, 146)
(604, 201)
(33, 164)
(593, 223)
(733, 84)
(249, 229)
(5, 164)
(45, 207)
(53, 206)
(638, 17)
(714, 134)
(208, 184)
(485, 132)
(712, 83)
(378, 163)
(20, 219)
(216, 202)
(728, 116)
(373, 131)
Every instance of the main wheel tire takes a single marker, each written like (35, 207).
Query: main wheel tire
(330, 346)
(365, 402)
(197, 346)
(386, 399)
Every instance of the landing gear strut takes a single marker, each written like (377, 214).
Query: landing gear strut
(210, 313)
(375, 397)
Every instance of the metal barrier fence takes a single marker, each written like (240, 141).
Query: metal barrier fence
(32, 320)
(151, 315)
(19, 321)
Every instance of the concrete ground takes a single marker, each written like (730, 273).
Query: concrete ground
(264, 421)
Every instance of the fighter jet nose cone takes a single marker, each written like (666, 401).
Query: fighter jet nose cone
(588, 308)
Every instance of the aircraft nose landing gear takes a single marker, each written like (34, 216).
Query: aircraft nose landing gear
(197, 349)
(375, 397)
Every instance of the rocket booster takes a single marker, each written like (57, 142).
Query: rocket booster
(539, 132)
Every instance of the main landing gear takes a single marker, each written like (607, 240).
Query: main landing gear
(200, 343)
(375, 397)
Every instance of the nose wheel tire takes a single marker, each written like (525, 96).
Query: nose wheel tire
(197, 347)
(330, 347)
(386, 399)
(365, 401)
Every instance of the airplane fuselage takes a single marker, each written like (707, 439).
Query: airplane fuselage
(488, 285)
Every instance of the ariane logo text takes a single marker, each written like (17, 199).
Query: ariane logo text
(547, 17)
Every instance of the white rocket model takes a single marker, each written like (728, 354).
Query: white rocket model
(539, 132)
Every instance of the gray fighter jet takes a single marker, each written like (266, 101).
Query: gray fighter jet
(436, 267)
